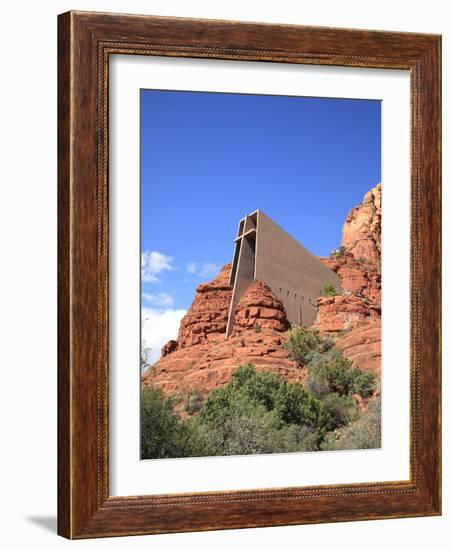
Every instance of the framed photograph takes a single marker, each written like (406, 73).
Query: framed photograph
(249, 275)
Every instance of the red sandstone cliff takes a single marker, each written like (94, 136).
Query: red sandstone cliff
(202, 359)
(208, 314)
(362, 229)
(355, 317)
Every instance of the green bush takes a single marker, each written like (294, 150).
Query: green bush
(294, 438)
(338, 410)
(260, 412)
(365, 383)
(333, 373)
(162, 433)
(365, 433)
(328, 290)
(255, 433)
(249, 390)
(301, 343)
(194, 402)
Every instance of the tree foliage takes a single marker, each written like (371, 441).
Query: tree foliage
(194, 402)
(328, 290)
(162, 433)
(364, 433)
(261, 412)
(302, 343)
(333, 373)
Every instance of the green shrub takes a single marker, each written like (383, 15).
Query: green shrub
(249, 390)
(328, 290)
(365, 383)
(260, 412)
(256, 433)
(301, 343)
(294, 438)
(194, 402)
(362, 261)
(338, 410)
(333, 373)
(162, 433)
(257, 327)
(365, 433)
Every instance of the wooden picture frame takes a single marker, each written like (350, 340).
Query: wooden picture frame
(85, 42)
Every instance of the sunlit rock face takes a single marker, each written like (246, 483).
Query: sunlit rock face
(202, 359)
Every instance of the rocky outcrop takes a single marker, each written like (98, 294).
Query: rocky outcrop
(204, 360)
(355, 317)
(259, 309)
(208, 315)
(357, 312)
(340, 313)
(362, 229)
(169, 347)
(358, 277)
(358, 265)
(363, 346)
(207, 366)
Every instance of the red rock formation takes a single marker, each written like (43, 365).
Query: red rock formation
(208, 314)
(338, 313)
(357, 264)
(209, 365)
(209, 361)
(358, 277)
(363, 346)
(169, 347)
(362, 229)
(202, 359)
(260, 309)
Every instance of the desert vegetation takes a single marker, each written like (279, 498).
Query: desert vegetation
(328, 290)
(260, 412)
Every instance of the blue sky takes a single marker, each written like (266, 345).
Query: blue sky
(207, 159)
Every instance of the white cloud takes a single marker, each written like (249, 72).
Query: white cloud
(153, 263)
(161, 299)
(159, 326)
(209, 269)
(192, 267)
(204, 270)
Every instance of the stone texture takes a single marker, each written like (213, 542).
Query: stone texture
(339, 313)
(259, 309)
(207, 360)
(358, 277)
(208, 365)
(208, 315)
(362, 229)
(358, 310)
(202, 359)
(363, 346)
(169, 347)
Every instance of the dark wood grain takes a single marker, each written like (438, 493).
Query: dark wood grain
(85, 42)
(64, 369)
